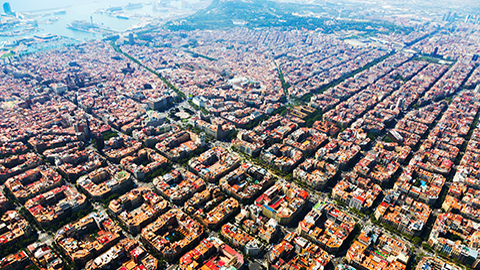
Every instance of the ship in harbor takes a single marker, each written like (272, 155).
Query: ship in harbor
(90, 27)
(122, 17)
(114, 9)
(60, 12)
(133, 5)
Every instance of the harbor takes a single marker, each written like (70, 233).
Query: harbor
(90, 19)
(23, 30)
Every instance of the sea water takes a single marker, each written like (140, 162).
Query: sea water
(82, 10)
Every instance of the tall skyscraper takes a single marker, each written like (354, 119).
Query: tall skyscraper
(100, 142)
(131, 41)
(6, 8)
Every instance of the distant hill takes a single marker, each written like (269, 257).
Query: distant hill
(262, 13)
